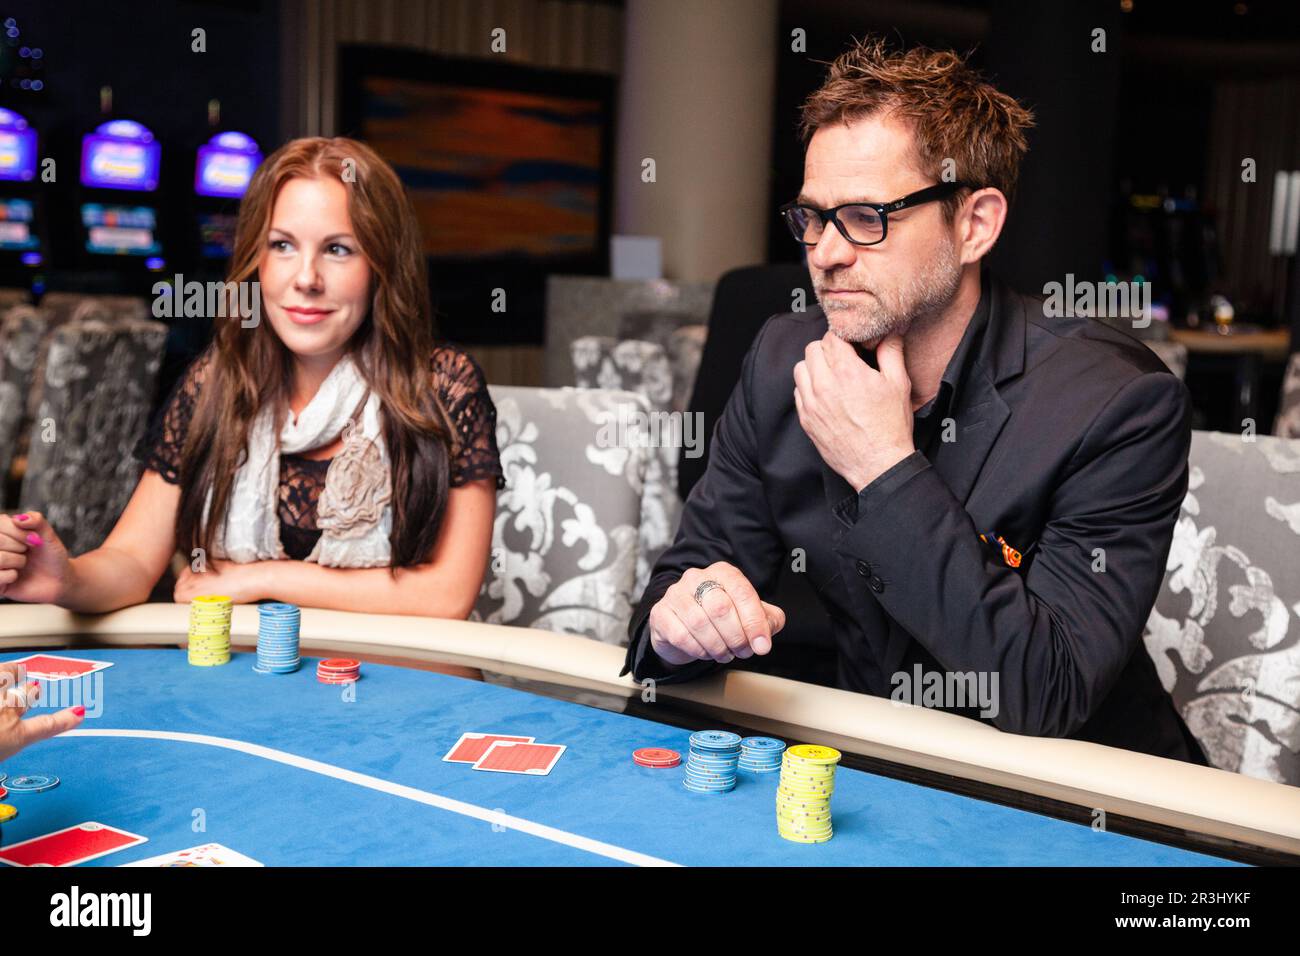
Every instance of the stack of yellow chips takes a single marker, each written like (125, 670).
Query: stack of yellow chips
(803, 797)
(210, 630)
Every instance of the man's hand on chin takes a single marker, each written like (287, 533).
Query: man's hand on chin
(859, 419)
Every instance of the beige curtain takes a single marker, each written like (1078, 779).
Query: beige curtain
(571, 34)
(1259, 120)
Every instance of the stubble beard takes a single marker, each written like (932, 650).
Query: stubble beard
(925, 295)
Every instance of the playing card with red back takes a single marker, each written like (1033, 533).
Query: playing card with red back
(509, 757)
(473, 745)
(68, 847)
(54, 667)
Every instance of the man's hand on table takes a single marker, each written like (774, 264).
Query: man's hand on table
(729, 621)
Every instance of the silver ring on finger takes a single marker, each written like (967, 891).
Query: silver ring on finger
(704, 588)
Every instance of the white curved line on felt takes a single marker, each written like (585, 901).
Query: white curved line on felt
(395, 789)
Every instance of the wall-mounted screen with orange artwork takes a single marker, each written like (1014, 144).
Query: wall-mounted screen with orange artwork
(508, 168)
(499, 160)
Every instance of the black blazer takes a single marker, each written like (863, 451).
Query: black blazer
(1071, 445)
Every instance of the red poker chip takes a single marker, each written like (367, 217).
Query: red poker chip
(3, 793)
(340, 664)
(337, 680)
(656, 757)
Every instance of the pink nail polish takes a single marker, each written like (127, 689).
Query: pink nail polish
(20, 517)
(79, 711)
(34, 539)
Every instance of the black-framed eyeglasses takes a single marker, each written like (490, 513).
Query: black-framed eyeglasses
(861, 223)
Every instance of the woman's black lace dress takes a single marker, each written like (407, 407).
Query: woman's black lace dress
(461, 387)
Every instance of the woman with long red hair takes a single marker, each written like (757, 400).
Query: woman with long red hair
(327, 453)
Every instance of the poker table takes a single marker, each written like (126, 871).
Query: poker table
(293, 772)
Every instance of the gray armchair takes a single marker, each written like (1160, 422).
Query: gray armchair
(1224, 632)
(565, 541)
(22, 334)
(92, 405)
(1288, 414)
(642, 367)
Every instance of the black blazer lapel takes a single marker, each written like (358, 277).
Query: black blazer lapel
(979, 414)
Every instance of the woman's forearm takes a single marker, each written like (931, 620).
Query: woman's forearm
(420, 591)
(104, 580)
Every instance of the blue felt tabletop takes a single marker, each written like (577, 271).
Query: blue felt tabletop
(375, 791)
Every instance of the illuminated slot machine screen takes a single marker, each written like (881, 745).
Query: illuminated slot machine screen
(17, 148)
(120, 154)
(16, 232)
(112, 230)
(225, 165)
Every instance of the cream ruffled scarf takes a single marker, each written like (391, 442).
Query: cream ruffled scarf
(354, 513)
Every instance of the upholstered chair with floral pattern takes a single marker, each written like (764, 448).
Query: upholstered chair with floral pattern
(566, 542)
(1225, 629)
(643, 367)
(92, 404)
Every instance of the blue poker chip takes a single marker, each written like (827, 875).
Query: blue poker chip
(715, 740)
(714, 755)
(762, 744)
(695, 789)
(709, 782)
(710, 772)
(709, 785)
(705, 751)
(31, 783)
(707, 775)
(708, 758)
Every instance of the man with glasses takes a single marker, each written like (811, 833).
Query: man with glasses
(975, 491)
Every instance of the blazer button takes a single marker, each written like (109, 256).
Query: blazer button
(864, 569)
(877, 585)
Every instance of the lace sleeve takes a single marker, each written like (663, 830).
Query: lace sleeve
(163, 441)
(462, 387)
